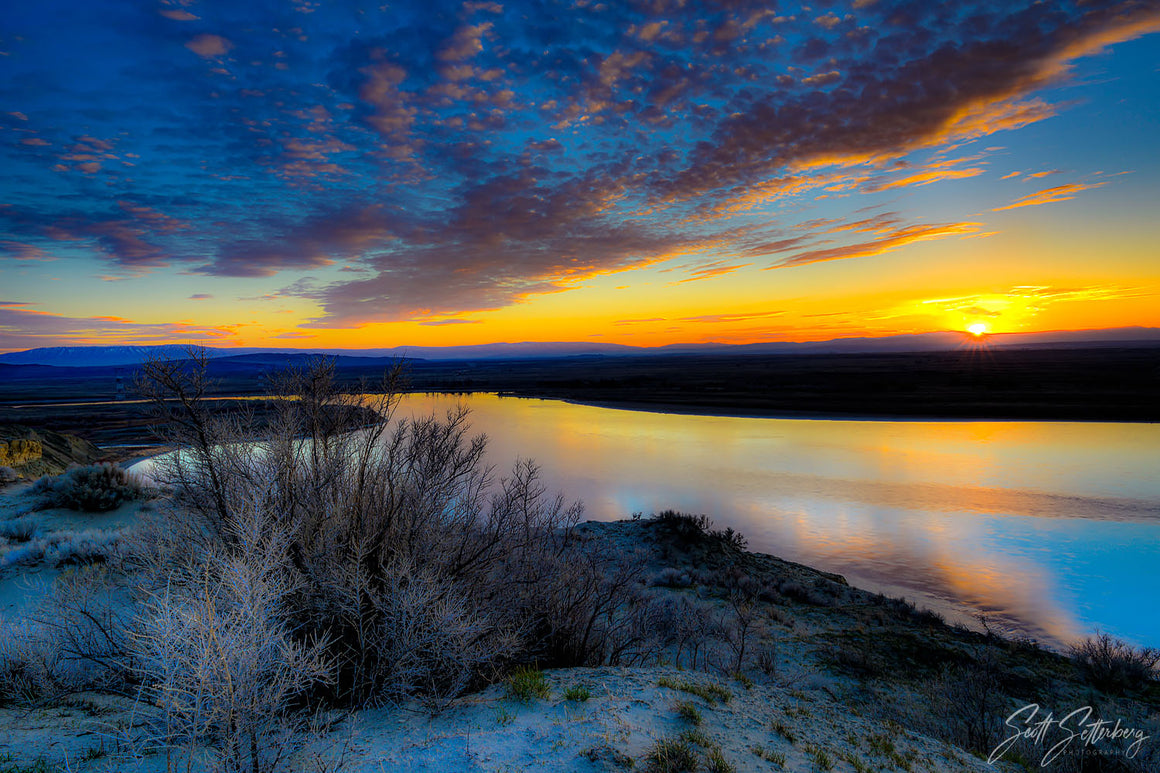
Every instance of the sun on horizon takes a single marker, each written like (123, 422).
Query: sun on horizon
(977, 329)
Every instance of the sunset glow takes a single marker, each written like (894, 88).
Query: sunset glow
(444, 173)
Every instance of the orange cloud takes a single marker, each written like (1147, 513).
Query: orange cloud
(888, 243)
(926, 178)
(1050, 195)
(712, 270)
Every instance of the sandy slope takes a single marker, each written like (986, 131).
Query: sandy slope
(614, 729)
(847, 663)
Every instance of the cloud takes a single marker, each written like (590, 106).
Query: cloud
(1051, 195)
(886, 243)
(200, 297)
(441, 322)
(435, 160)
(21, 251)
(464, 44)
(1029, 300)
(23, 327)
(925, 178)
(712, 271)
(729, 318)
(209, 46)
(886, 108)
(177, 14)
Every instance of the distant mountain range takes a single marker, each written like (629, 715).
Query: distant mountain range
(106, 356)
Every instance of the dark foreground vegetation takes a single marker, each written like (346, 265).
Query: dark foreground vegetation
(330, 557)
(1097, 384)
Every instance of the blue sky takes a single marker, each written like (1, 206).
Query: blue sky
(646, 172)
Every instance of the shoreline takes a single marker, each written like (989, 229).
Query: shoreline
(680, 409)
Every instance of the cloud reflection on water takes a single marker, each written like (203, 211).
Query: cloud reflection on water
(1003, 518)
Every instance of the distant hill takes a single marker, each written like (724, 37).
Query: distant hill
(113, 356)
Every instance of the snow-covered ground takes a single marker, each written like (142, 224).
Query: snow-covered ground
(762, 727)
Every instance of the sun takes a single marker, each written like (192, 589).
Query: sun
(977, 329)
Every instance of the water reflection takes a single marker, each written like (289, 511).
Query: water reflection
(1051, 529)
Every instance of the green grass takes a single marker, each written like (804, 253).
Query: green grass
(687, 711)
(709, 692)
(93, 753)
(783, 730)
(769, 755)
(577, 693)
(504, 717)
(671, 755)
(697, 737)
(715, 762)
(527, 684)
(856, 763)
(821, 758)
(9, 765)
(882, 745)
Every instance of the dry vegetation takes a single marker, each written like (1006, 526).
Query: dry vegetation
(343, 558)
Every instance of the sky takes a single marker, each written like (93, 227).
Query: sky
(307, 174)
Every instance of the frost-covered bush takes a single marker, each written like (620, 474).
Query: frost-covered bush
(422, 571)
(8, 475)
(1113, 665)
(22, 545)
(92, 488)
(220, 666)
(32, 666)
(91, 546)
(21, 529)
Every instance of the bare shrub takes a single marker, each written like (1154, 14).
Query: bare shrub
(1113, 665)
(767, 659)
(966, 704)
(90, 488)
(87, 620)
(434, 643)
(742, 621)
(21, 529)
(221, 667)
(91, 546)
(685, 525)
(693, 529)
(29, 664)
(686, 626)
(671, 577)
(421, 571)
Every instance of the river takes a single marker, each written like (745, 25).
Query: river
(1048, 529)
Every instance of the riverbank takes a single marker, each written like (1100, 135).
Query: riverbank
(1073, 384)
(761, 664)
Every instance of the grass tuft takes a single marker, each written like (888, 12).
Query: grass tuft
(709, 692)
(688, 711)
(671, 755)
(769, 755)
(715, 762)
(577, 693)
(526, 684)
